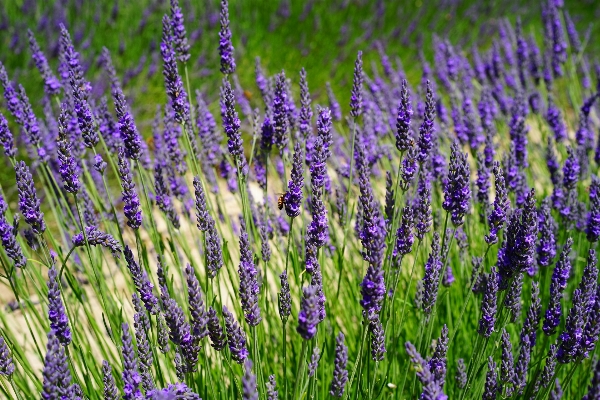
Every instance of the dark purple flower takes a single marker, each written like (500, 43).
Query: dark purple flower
(483, 180)
(68, 167)
(517, 253)
(507, 372)
(13, 103)
(179, 34)
(225, 46)
(131, 376)
(318, 230)
(163, 197)
(132, 143)
(457, 192)
(570, 339)
(56, 373)
(558, 285)
(59, 322)
(340, 374)
(231, 126)
(306, 113)
(490, 391)
(29, 203)
(404, 139)
(518, 130)
(488, 306)
(280, 112)
(404, 235)
(571, 170)
(356, 101)
(422, 207)
(215, 331)
(236, 338)
(173, 83)
(284, 298)
(593, 218)
(410, 167)
(96, 237)
(6, 138)
(334, 106)
(594, 387)
(8, 237)
(52, 85)
(438, 361)
(431, 279)
(313, 364)
(308, 317)
(426, 130)
(214, 251)
(431, 389)
(293, 196)
(546, 248)
(377, 338)
(202, 214)
(110, 390)
(249, 388)
(248, 282)
(132, 209)
(198, 314)
(141, 282)
(389, 199)
(555, 121)
(497, 217)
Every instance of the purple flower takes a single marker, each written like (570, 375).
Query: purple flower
(426, 130)
(558, 285)
(30, 122)
(594, 387)
(518, 130)
(6, 138)
(284, 298)
(308, 317)
(110, 390)
(490, 391)
(555, 121)
(280, 112)
(431, 389)
(356, 97)
(225, 46)
(141, 282)
(179, 33)
(202, 214)
(570, 339)
(483, 180)
(507, 372)
(163, 197)
(68, 167)
(132, 143)
(404, 139)
(422, 207)
(248, 282)
(52, 85)
(236, 338)
(546, 248)
(293, 196)
(198, 314)
(438, 361)
(173, 83)
(318, 230)
(8, 237)
(249, 388)
(96, 237)
(497, 217)
(340, 374)
(215, 331)
(517, 253)
(56, 373)
(131, 376)
(410, 167)
(231, 126)
(271, 388)
(571, 170)
(461, 373)
(404, 235)
(13, 103)
(132, 209)
(593, 218)
(334, 106)
(457, 191)
(29, 203)
(389, 199)
(59, 322)
(306, 113)
(377, 338)
(488, 306)
(431, 279)
(214, 251)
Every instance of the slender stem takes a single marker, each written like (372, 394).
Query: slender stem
(300, 369)
(358, 359)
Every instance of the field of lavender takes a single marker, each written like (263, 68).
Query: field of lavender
(232, 233)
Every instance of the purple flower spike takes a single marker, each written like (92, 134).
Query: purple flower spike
(96, 237)
(6, 138)
(457, 192)
(293, 196)
(431, 279)
(488, 306)
(334, 105)
(29, 203)
(555, 121)
(404, 235)
(593, 218)
(56, 374)
(497, 217)
(132, 209)
(68, 167)
(231, 126)
(141, 282)
(404, 139)
(356, 101)
(59, 322)
(248, 282)
(306, 113)
(546, 248)
(8, 237)
(491, 384)
(425, 141)
(249, 389)
(131, 376)
(284, 298)
(280, 111)
(558, 284)
(225, 46)
(340, 374)
(571, 170)
(308, 318)
(179, 33)
(52, 85)
(236, 338)
(173, 83)
(431, 388)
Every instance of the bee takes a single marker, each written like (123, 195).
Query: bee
(280, 200)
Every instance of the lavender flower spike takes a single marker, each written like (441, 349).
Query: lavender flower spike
(425, 141)
(29, 203)
(215, 331)
(431, 389)
(132, 208)
(51, 83)
(308, 318)
(249, 389)
(431, 279)
(248, 282)
(128, 132)
(231, 126)
(280, 117)
(110, 390)
(56, 373)
(96, 237)
(8, 237)
(491, 385)
(593, 219)
(284, 298)
(179, 35)
(457, 192)
(497, 217)
(173, 83)
(271, 385)
(356, 102)
(131, 376)
(199, 317)
(293, 196)
(225, 46)
(306, 112)
(7, 367)
(404, 139)
(141, 282)
(6, 138)
(340, 373)
(488, 306)
(557, 286)
(236, 338)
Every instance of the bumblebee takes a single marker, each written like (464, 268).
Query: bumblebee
(280, 200)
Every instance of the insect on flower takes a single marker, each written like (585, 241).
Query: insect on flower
(280, 200)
